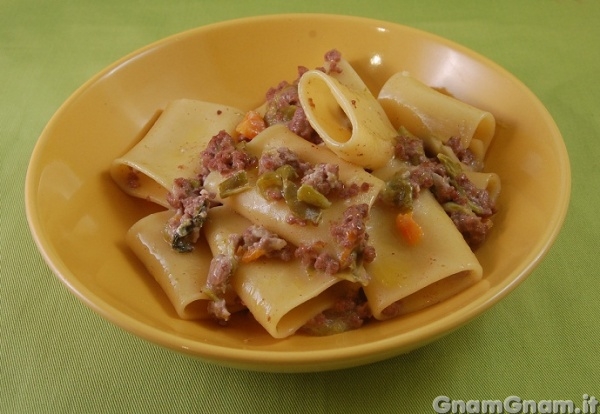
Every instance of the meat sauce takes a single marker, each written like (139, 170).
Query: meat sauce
(469, 207)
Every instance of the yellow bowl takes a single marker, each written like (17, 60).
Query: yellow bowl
(79, 217)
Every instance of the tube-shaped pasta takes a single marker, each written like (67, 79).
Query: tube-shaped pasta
(400, 269)
(181, 275)
(281, 295)
(349, 120)
(178, 135)
(425, 111)
(434, 293)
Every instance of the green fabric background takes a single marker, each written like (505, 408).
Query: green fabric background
(541, 342)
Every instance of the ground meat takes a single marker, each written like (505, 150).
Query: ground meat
(478, 197)
(333, 57)
(410, 149)
(133, 179)
(472, 218)
(351, 234)
(348, 312)
(465, 155)
(272, 160)
(218, 310)
(368, 253)
(301, 71)
(300, 126)
(475, 204)
(473, 228)
(222, 155)
(312, 255)
(421, 177)
(462, 191)
(327, 263)
(219, 273)
(472, 221)
(283, 107)
(351, 230)
(283, 103)
(284, 93)
(294, 220)
(182, 189)
(392, 310)
(324, 178)
(191, 203)
(442, 189)
(352, 190)
(257, 241)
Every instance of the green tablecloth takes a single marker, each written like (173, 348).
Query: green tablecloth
(540, 343)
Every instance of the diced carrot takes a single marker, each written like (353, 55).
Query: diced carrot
(251, 125)
(345, 254)
(409, 228)
(252, 255)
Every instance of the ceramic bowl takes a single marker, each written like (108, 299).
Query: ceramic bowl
(79, 217)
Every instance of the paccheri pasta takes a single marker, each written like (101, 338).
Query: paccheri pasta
(323, 209)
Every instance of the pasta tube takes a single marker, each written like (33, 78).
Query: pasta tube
(400, 270)
(281, 295)
(349, 120)
(179, 135)
(181, 275)
(426, 112)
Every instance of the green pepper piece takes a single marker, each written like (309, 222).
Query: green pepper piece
(452, 167)
(287, 172)
(470, 208)
(309, 194)
(235, 184)
(398, 192)
(299, 208)
(288, 112)
(270, 179)
(452, 207)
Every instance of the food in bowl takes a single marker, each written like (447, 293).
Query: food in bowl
(326, 208)
(78, 216)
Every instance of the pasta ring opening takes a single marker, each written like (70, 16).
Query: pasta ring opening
(350, 121)
(328, 111)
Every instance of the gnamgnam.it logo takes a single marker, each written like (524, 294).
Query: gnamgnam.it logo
(513, 404)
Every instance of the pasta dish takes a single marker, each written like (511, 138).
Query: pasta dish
(323, 209)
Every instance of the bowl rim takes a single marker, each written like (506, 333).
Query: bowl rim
(298, 360)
